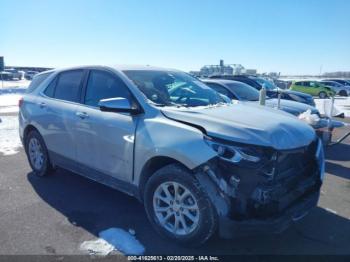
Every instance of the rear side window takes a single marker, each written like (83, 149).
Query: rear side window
(68, 85)
(37, 80)
(102, 85)
(50, 89)
(220, 89)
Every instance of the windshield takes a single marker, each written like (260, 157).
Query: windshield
(336, 84)
(341, 82)
(244, 92)
(267, 83)
(167, 88)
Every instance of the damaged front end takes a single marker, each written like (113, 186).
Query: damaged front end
(260, 189)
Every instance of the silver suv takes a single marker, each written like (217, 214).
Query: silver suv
(197, 164)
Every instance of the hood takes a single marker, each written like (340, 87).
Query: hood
(248, 124)
(303, 95)
(291, 107)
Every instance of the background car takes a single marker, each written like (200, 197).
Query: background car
(313, 88)
(14, 74)
(271, 89)
(340, 81)
(5, 75)
(282, 84)
(242, 92)
(30, 74)
(340, 89)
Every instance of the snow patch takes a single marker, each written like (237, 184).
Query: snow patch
(9, 136)
(113, 239)
(14, 84)
(122, 241)
(9, 100)
(341, 105)
(9, 109)
(99, 247)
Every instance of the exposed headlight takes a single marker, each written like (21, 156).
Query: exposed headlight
(234, 154)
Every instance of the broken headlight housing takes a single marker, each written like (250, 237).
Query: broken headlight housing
(234, 153)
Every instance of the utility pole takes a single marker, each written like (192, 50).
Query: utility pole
(2, 67)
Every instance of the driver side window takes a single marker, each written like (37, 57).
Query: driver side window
(102, 85)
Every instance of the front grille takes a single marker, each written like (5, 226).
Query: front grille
(296, 175)
(296, 162)
(284, 178)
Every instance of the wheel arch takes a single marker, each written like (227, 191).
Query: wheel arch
(343, 92)
(27, 130)
(151, 166)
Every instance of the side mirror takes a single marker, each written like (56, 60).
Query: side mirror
(118, 105)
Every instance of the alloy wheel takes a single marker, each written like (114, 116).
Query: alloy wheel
(176, 208)
(36, 154)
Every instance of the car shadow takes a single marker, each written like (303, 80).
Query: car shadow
(336, 169)
(95, 207)
(338, 152)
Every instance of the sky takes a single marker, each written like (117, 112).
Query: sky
(289, 36)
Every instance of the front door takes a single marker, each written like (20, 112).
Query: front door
(105, 140)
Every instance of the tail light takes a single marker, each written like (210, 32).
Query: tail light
(20, 102)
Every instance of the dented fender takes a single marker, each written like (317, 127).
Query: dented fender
(159, 136)
(218, 198)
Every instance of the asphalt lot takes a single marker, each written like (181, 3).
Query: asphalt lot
(55, 214)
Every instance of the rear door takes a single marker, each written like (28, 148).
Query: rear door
(314, 88)
(105, 140)
(299, 86)
(58, 107)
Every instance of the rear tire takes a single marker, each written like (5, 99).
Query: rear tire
(185, 213)
(322, 95)
(343, 93)
(37, 154)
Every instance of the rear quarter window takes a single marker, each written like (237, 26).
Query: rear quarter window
(50, 89)
(37, 80)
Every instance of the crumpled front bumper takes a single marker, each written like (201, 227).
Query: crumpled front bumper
(258, 206)
(229, 228)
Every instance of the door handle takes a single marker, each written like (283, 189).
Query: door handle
(82, 115)
(42, 105)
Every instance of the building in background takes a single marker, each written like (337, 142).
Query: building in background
(2, 63)
(222, 69)
(250, 71)
(341, 74)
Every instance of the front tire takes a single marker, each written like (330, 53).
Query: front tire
(37, 154)
(322, 95)
(178, 207)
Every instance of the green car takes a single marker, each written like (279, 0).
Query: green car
(313, 88)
